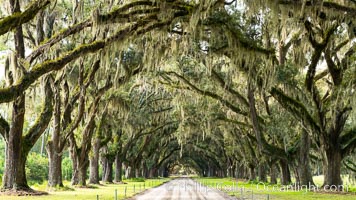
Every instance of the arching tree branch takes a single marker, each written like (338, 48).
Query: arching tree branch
(10, 22)
(4, 128)
(10, 93)
(43, 119)
(210, 94)
(296, 107)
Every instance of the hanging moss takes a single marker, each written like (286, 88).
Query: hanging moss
(10, 22)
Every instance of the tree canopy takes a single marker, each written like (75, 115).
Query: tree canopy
(226, 87)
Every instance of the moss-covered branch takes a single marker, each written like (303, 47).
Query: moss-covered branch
(10, 93)
(319, 47)
(338, 126)
(135, 15)
(238, 123)
(4, 128)
(350, 165)
(10, 22)
(56, 38)
(76, 92)
(326, 4)
(228, 88)
(238, 38)
(43, 119)
(76, 29)
(348, 141)
(99, 130)
(116, 15)
(210, 94)
(88, 130)
(134, 11)
(263, 145)
(346, 60)
(253, 118)
(321, 75)
(72, 126)
(296, 108)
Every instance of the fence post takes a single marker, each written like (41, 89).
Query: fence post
(206, 187)
(134, 189)
(267, 196)
(252, 194)
(115, 194)
(125, 190)
(233, 188)
(97, 197)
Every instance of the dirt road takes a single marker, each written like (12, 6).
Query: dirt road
(182, 189)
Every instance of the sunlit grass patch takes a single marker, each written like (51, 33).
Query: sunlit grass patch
(259, 190)
(103, 191)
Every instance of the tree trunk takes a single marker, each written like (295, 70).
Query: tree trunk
(18, 146)
(118, 169)
(75, 175)
(103, 161)
(107, 170)
(333, 169)
(304, 172)
(233, 171)
(14, 173)
(94, 163)
(209, 171)
(161, 170)
(80, 155)
(127, 172)
(74, 157)
(262, 176)
(152, 172)
(55, 168)
(252, 174)
(286, 178)
(224, 172)
(137, 172)
(80, 167)
(52, 147)
(273, 173)
(82, 174)
(144, 171)
(132, 172)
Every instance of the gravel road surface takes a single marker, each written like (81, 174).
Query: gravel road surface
(182, 189)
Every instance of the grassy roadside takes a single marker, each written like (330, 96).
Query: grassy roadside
(104, 191)
(267, 191)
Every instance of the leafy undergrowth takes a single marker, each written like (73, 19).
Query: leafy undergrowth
(103, 191)
(257, 190)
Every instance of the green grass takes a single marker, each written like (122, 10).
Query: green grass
(260, 190)
(105, 191)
